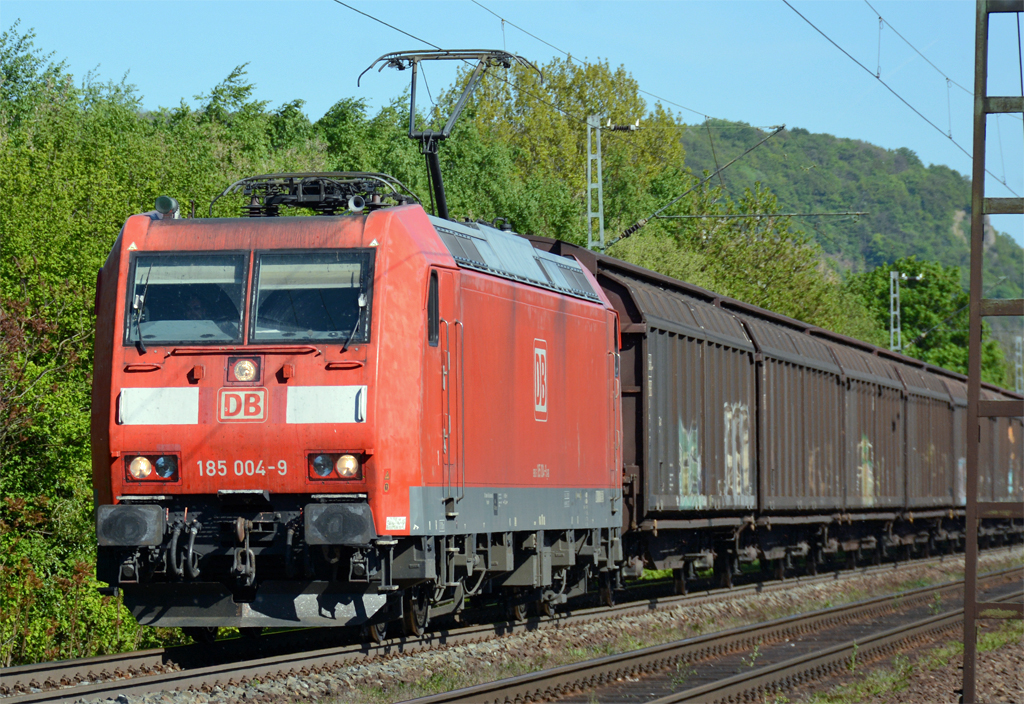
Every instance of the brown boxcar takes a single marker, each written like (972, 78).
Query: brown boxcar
(1007, 461)
(874, 441)
(699, 398)
(800, 420)
(930, 470)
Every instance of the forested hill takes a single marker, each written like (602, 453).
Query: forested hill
(914, 209)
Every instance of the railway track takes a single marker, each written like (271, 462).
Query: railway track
(301, 652)
(724, 674)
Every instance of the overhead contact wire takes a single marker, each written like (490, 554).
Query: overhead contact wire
(556, 108)
(566, 113)
(891, 90)
(643, 221)
(570, 57)
(431, 44)
(927, 60)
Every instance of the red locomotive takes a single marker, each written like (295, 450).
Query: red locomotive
(299, 420)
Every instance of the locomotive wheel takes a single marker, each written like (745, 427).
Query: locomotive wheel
(251, 631)
(201, 634)
(416, 611)
(545, 608)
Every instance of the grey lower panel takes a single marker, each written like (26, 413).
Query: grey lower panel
(500, 509)
(277, 604)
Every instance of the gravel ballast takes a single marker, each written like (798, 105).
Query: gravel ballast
(396, 678)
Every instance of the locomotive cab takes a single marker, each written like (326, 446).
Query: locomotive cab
(280, 417)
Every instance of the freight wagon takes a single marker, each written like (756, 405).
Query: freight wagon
(752, 436)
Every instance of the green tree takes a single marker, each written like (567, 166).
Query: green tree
(75, 162)
(933, 315)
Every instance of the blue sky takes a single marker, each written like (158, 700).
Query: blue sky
(758, 62)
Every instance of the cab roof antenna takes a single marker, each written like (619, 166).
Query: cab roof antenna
(430, 139)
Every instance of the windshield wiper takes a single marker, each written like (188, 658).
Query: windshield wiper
(359, 317)
(140, 307)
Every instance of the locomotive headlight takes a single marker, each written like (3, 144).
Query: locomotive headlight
(348, 467)
(166, 466)
(245, 370)
(140, 468)
(322, 465)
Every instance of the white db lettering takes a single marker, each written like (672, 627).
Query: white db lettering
(249, 406)
(540, 380)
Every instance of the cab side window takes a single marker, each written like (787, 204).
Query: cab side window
(433, 319)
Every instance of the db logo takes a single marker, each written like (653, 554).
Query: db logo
(242, 406)
(540, 380)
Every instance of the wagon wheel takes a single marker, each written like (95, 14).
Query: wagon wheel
(811, 561)
(723, 571)
(514, 607)
(606, 596)
(415, 611)
(201, 634)
(851, 560)
(375, 632)
(679, 581)
(545, 608)
(780, 569)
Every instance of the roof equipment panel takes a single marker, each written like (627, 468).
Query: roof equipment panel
(509, 256)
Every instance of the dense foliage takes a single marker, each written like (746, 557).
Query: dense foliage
(933, 314)
(77, 158)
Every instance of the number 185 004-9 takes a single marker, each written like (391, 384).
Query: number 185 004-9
(247, 468)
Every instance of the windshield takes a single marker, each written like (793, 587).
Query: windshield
(186, 298)
(323, 295)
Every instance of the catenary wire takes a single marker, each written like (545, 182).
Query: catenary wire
(907, 42)
(777, 129)
(564, 113)
(570, 57)
(643, 221)
(391, 26)
(714, 155)
(919, 52)
(891, 90)
(424, 41)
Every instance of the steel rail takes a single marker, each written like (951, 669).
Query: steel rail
(559, 681)
(807, 668)
(132, 673)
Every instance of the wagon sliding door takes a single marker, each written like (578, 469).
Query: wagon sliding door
(801, 421)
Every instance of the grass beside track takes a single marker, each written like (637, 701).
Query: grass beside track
(885, 682)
